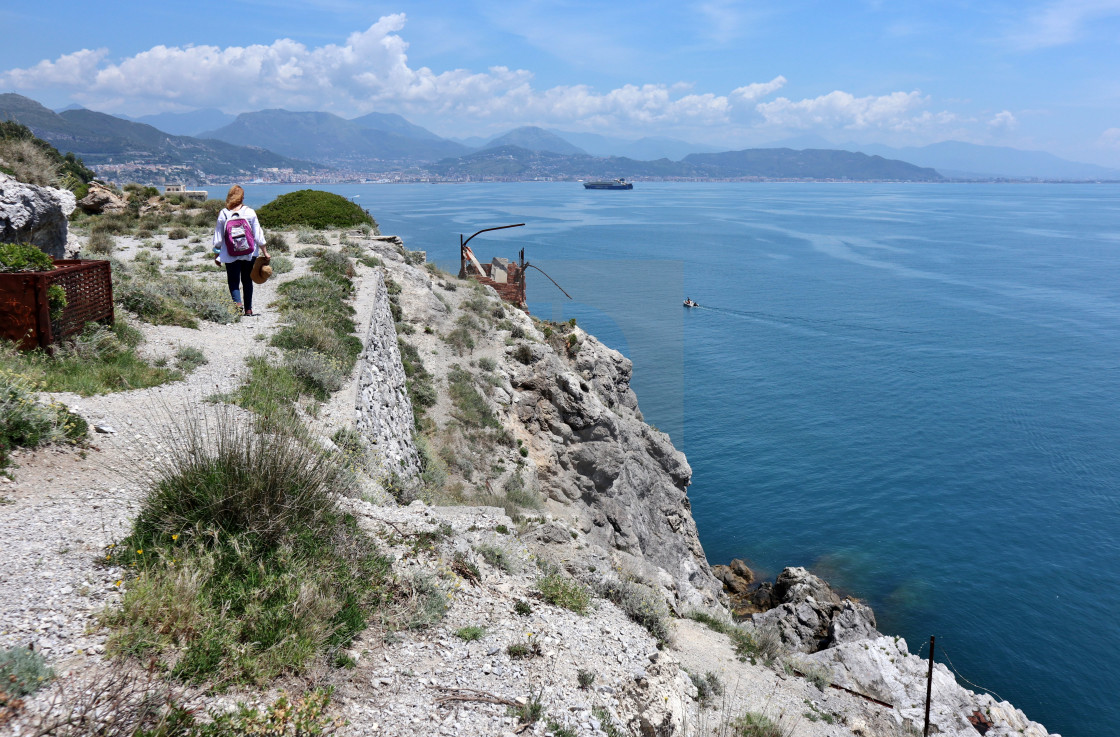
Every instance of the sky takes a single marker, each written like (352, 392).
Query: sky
(1030, 74)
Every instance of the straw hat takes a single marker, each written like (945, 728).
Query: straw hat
(261, 270)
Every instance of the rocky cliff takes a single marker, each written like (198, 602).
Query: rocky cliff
(613, 505)
(566, 427)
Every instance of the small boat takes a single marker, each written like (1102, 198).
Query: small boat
(613, 184)
(690, 303)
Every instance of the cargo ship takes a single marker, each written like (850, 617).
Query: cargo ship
(613, 184)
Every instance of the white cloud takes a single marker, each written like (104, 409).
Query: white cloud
(757, 90)
(76, 70)
(897, 111)
(1110, 139)
(1004, 121)
(370, 71)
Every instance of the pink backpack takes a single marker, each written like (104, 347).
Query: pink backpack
(239, 236)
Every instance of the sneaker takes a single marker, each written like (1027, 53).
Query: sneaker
(250, 313)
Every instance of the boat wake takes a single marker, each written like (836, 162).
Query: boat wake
(807, 322)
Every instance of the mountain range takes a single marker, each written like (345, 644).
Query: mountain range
(960, 160)
(223, 145)
(101, 140)
(372, 141)
(515, 162)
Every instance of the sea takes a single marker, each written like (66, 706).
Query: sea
(911, 389)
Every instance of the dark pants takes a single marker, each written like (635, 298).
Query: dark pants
(239, 271)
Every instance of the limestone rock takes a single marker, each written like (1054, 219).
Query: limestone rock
(623, 480)
(736, 577)
(102, 200)
(855, 621)
(810, 616)
(384, 413)
(34, 214)
(884, 669)
(796, 585)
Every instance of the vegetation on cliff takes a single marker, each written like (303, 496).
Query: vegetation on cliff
(31, 159)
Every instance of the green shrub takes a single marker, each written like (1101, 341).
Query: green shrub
(178, 234)
(319, 374)
(278, 243)
(281, 264)
(523, 353)
(56, 301)
(313, 208)
(708, 686)
(188, 358)
(308, 252)
(753, 724)
(271, 391)
(522, 608)
(470, 633)
(23, 257)
(334, 266)
(26, 422)
(115, 224)
(642, 604)
(170, 299)
(31, 159)
(470, 407)
(426, 604)
(531, 711)
(523, 649)
(100, 243)
(311, 237)
(245, 566)
(565, 592)
(585, 678)
(95, 362)
(308, 332)
(756, 643)
(22, 671)
(497, 557)
(714, 623)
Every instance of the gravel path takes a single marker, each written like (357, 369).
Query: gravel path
(65, 505)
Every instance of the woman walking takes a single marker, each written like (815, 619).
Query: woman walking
(238, 240)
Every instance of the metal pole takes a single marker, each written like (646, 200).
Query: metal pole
(929, 686)
(487, 230)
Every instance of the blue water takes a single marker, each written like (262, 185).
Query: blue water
(911, 389)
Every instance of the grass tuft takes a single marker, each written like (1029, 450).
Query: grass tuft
(245, 566)
(565, 592)
(470, 633)
(22, 671)
(99, 361)
(642, 604)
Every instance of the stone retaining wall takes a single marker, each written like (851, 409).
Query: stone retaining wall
(383, 411)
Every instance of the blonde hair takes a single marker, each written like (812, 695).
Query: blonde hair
(235, 196)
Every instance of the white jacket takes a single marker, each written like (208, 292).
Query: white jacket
(220, 238)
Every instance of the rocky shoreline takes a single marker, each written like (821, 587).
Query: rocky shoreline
(602, 500)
